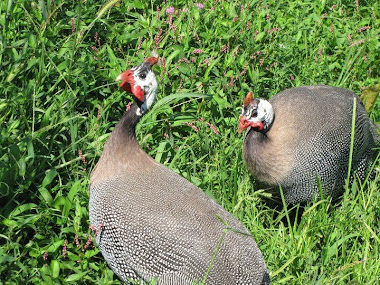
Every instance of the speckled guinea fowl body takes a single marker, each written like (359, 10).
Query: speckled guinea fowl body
(156, 224)
(309, 138)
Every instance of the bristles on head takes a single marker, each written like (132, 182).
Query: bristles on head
(248, 99)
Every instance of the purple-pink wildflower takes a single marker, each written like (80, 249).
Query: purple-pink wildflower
(72, 25)
(225, 48)
(64, 250)
(183, 60)
(205, 61)
(357, 42)
(200, 5)
(76, 239)
(231, 83)
(180, 85)
(194, 127)
(45, 256)
(158, 39)
(158, 13)
(291, 77)
(333, 7)
(235, 19)
(236, 50)
(349, 38)
(363, 28)
(267, 17)
(82, 157)
(244, 71)
(197, 36)
(212, 127)
(272, 30)
(169, 10)
(197, 51)
(87, 243)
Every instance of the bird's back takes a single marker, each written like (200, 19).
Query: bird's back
(163, 226)
(312, 131)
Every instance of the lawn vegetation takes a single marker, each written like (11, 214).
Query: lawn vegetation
(59, 101)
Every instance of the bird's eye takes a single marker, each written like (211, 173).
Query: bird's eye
(142, 76)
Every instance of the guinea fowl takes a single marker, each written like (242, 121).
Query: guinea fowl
(153, 223)
(301, 138)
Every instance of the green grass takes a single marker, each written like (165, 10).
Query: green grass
(58, 64)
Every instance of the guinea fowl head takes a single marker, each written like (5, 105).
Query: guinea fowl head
(257, 114)
(141, 82)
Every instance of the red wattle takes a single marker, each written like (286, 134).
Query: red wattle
(138, 92)
(257, 125)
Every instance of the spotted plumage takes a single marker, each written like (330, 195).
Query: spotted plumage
(308, 141)
(156, 224)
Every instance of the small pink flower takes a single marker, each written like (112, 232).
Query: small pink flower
(169, 10)
(191, 125)
(212, 127)
(320, 52)
(235, 19)
(200, 5)
(357, 43)
(349, 38)
(363, 28)
(261, 61)
(268, 17)
(272, 30)
(197, 36)
(331, 29)
(45, 256)
(87, 243)
(291, 77)
(82, 157)
(197, 51)
(158, 38)
(231, 83)
(333, 7)
(237, 50)
(357, 4)
(244, 71)
(158, 13)
(72, 25)
(64, 250)
(77, 241)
